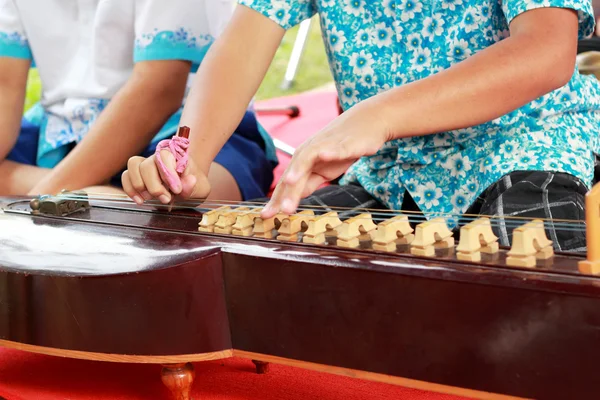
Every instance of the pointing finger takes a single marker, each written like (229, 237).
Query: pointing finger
(301, 165)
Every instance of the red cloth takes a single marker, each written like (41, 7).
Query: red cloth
(25, 376)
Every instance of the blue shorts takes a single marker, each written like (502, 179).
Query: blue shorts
(244, 156)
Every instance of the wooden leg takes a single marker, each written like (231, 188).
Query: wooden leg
(179, 379)
(261, 366)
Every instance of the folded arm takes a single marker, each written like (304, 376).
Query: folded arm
(132, 118)
(537, 58)
(226, 82)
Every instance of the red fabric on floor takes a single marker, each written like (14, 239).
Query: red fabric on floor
(317, 109)
(25, 376)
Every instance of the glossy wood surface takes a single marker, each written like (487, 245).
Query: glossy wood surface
(109, 289)
(500, 339)
(138, 282)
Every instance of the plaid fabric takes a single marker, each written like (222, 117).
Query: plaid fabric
(532, 195)
(347, 201)
(537, 195)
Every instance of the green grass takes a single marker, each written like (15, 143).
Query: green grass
(313, 70)
(34, 89)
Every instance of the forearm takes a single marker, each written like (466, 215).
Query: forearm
(122, 130)
(488, 85)
(228, 78)
(13, 82)
(18, 179)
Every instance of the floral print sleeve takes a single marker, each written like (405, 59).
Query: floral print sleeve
(13, 42)
(287, 13)
(513, 8)
(183, 31)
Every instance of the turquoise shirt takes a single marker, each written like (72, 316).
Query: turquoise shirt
(375, 45)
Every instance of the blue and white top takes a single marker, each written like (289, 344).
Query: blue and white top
(375, 45)
(85, 51)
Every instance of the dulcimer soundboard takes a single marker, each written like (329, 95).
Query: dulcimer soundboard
(374, 298)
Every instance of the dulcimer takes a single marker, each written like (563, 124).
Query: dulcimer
(375, 295)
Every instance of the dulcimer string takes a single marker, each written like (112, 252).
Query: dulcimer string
(377, 215)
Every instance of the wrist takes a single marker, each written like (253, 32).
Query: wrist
(380, 116)
(196, 165)
(47, 186)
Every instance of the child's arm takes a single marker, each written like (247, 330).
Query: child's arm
(13, 84)
(226, 81)
(15, 61)
(538, 57)
(140, 108)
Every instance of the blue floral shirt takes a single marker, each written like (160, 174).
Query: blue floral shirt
(375, 45)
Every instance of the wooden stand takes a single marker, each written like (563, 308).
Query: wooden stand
(391, 232)
(227, 219)
(179, 379)
(244, 223)
(592, 221)
(209, 219)
(354, 229)
(292, 225)
(529, 243)
(475, 238)
(261, 367)
(319, 226)
(431, 235)
(263, 228)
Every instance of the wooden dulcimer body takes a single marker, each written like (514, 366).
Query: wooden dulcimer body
(131, 284)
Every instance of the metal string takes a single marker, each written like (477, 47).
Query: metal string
(376, 214)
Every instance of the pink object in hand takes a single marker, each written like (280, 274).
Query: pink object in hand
(178, 146)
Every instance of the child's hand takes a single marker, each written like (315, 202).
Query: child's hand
(356, 133)
(143, 180)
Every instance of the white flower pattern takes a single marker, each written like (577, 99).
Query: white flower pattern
(389, 43)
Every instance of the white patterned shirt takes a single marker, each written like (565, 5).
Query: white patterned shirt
(85, 51)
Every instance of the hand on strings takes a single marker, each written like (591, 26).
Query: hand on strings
(143, 180)
(356, 133)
